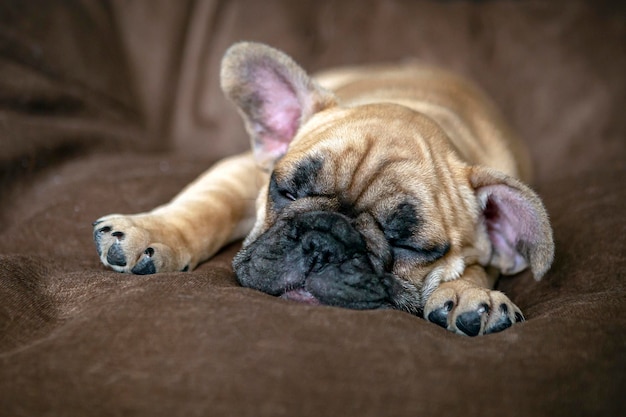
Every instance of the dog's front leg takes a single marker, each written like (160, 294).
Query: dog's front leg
(215, 209)
(469, 306)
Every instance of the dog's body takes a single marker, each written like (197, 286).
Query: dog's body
(397, 189)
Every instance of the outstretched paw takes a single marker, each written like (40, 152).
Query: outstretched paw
(470, 310)
(138, 244)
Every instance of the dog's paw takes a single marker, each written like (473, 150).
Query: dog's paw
(467, 309)
(139, 244)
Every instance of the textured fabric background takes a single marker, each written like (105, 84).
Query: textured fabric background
(114, 106)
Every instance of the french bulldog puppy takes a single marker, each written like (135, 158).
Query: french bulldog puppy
(368, 187)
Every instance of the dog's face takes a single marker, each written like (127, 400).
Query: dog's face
(365, 207)
(341, 223)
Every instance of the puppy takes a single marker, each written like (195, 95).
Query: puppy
(382, 187)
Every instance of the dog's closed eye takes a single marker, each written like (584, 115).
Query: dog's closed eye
(287, 194)
(419, 253)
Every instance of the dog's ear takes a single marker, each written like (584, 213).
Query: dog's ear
(516, 222)
(274, 95)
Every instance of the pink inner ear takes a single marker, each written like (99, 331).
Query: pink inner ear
(511, 225)
(280, 112)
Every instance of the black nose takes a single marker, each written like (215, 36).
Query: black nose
(327, 237)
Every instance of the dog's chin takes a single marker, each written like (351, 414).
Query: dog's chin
(301, 295)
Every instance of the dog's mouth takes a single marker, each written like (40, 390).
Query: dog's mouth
(300, 295)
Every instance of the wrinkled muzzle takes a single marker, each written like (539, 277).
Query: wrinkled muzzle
(318, 258)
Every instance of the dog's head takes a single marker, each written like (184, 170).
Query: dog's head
(367, 206)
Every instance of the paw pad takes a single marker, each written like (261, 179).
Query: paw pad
(504, 322)
(470, 322)
(145, 266)
(440, 315)
(115, 255)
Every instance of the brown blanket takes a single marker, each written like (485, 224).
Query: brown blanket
(114, 106)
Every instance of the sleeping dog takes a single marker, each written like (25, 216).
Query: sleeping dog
(367, 187)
